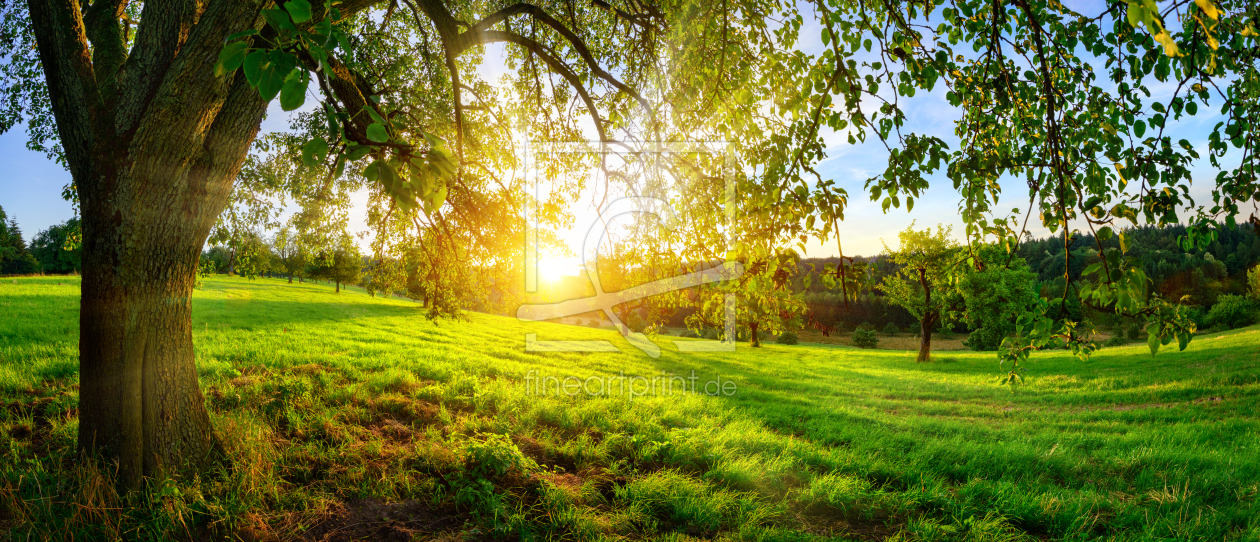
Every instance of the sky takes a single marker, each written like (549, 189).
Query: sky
(30, 185)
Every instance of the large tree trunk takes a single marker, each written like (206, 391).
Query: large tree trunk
(153, 141)
(139, 401)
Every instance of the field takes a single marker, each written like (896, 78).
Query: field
(348, 417)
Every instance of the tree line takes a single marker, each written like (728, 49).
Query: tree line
(1213, 281)
(53, 250)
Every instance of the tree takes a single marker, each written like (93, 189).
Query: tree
(1253, 283)
(289, 253)
(766, 304)
(926, 285)
(56, 249)
(15, 259)
(154, 131)
(997, 289)
(342, 265)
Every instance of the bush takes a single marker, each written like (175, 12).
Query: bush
(689, 334)
(1133, 332)
(787, 337)
(985, 339)
(865, 338)
(1116, 340)
(864, 326)
(1253, 282)
(1232, 311)
(711, 333)
(891, 329)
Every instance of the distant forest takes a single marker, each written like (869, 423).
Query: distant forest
(1204, 275)
(48, 251)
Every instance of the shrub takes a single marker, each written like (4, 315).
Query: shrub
(1253, 281)
(711, 333)
(689, 334)
(1232, 311)
(985, 339)
(891, 329)
(787, 337)
(865, 338)
(1115, 340)
(864, 326)
(1133, 332)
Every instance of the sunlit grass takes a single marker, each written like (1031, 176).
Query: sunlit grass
(325, 399)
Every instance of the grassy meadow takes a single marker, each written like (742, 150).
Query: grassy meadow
(348, 417)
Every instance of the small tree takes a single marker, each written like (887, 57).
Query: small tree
(996, 293)
(926, 283)
(289, 253)
(347, 265)
(1253, 282)
(765, 303)
(343, 265)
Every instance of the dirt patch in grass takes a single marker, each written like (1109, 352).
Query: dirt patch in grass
(900, 341)
(375, 519)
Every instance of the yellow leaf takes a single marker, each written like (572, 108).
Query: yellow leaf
(1208, 8)
(1249, 31)
(1170, 46)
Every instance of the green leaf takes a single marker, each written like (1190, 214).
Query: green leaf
(356, 152)
(293, 93)
(371, 172)
(230, 58)
(314, 151)
(1124, 242)
(1139, 128)
(278, 19)
(377, 132)
(439, 197)
(241, 34)
(299, 10)
(274, 74)
(1152, 338)
(254, 64)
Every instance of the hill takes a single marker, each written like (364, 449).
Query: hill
(349, 417)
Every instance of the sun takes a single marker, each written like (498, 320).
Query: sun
(552, 269)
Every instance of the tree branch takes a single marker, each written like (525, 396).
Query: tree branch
(492, 36)
(63, 52)
(164, 27)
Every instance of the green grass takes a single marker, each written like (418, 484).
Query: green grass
(340, 410)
